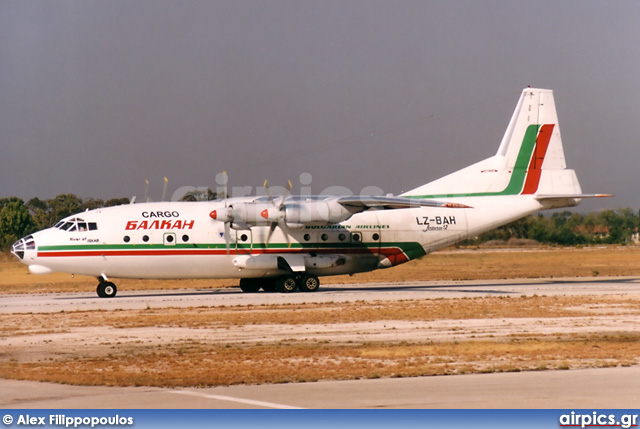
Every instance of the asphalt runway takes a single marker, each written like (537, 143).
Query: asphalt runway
(126, 300)
(589, 388)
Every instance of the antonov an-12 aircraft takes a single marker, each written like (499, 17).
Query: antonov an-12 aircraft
(286, 243)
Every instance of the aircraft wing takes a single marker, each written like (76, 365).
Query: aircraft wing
(360, 203)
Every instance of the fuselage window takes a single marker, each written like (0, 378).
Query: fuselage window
(307, 237)
(341, 237)
(145, 238)
(324, 237)
(126, 239)
(375, 237)
(185, 238)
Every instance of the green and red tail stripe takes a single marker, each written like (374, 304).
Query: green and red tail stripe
(526, 173)
(535, 166)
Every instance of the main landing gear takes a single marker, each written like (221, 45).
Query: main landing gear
(106, 289)
(285, 284)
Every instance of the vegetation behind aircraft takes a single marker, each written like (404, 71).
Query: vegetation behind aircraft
(619, 226)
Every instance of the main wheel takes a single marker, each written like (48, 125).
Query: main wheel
(107, 290)
(269, 284)
(249, 285)
(309, 283)
(287, 284)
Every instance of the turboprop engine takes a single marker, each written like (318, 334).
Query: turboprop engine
(294, 214)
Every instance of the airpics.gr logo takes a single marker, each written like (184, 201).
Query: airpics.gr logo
(597, 419)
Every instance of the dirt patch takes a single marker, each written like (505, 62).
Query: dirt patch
(304, 342)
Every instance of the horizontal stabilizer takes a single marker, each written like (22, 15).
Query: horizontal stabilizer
(567, 196)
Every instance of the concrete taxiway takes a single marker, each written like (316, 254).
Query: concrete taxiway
(579, 389)
(126, 300)
(585, 388)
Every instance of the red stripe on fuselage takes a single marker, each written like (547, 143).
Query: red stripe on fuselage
(535, 165)
(395, 254)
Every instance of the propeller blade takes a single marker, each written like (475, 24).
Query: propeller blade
(164, 188)
(272, 228)
(286, 194)
(222, 181)
(280, 207)
(283, 226)
(268, 191)
(146, 190)
(227, 235)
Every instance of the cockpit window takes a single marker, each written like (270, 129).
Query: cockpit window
(76, 224)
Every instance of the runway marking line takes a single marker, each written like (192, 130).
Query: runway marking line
(234, 399)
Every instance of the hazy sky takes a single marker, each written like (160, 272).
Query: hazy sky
(97, 96)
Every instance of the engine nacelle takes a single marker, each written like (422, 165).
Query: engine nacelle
(257, 214)
(295, 214)
(316, 212)
(245, 215)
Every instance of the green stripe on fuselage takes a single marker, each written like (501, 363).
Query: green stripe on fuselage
(411, 249)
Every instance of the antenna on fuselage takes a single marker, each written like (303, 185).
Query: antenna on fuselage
(146, 190)
(164, 188)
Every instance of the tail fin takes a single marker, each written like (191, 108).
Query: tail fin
(530, 159)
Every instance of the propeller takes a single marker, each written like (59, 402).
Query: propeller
(227, 215)
(280, 221)
(246, 214)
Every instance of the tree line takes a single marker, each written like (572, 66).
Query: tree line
(565, 228)
(18, 218)
(620, 226)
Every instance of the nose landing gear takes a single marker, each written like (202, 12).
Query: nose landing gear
(106, 289)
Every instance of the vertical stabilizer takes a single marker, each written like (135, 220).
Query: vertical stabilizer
(530, 158)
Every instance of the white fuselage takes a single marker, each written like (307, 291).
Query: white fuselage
(300, 238)
(180, 240)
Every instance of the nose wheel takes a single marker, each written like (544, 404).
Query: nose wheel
(106, 289)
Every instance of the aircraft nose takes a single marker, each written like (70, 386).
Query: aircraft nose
(20, 246)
